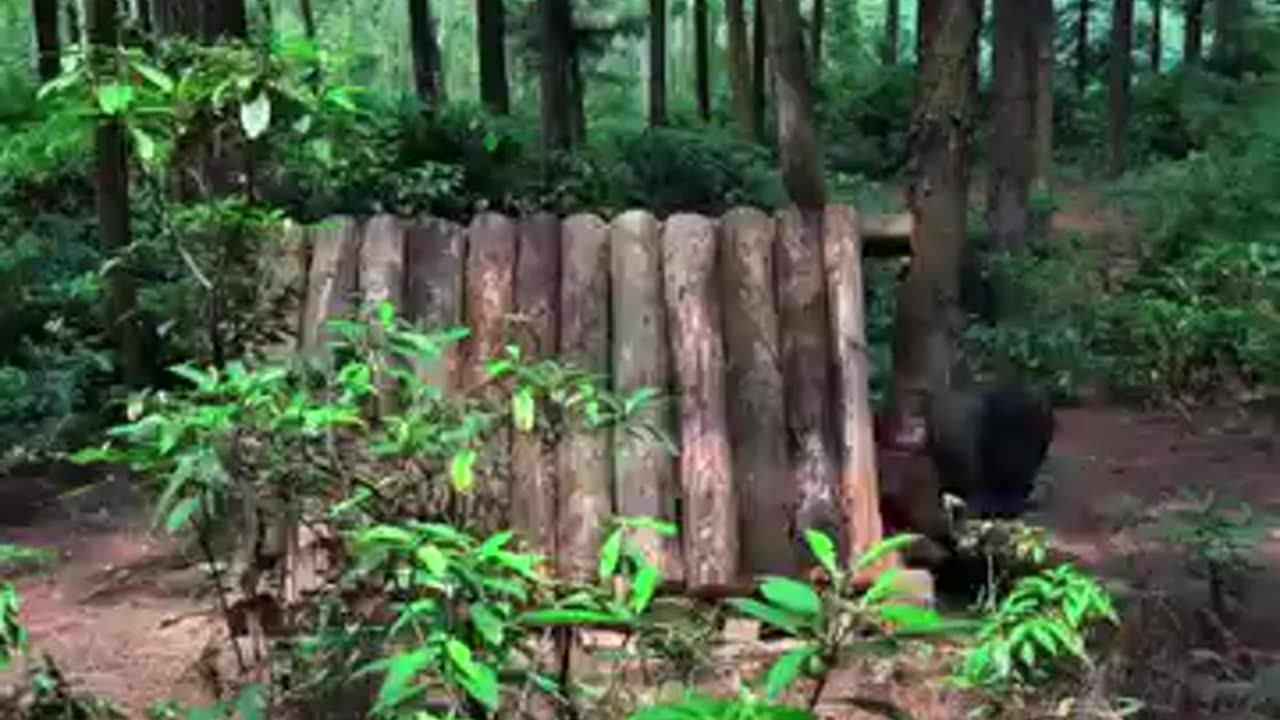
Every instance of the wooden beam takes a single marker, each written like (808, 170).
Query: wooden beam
(886, 236)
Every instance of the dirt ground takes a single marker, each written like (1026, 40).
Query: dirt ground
(123, 617)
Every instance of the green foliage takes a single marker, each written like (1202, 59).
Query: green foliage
(831, 621)
(49, 695)
(1036, 631)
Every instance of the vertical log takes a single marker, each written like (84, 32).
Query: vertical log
(489, 292)
(286, 266)
(710, 523)
(335, 259)
(435, 251)
(644, 472)
(381, 274)
(533, 477)
(842, 256)
(757, 415)
(806, 357)
(489, 299)
(584, 503)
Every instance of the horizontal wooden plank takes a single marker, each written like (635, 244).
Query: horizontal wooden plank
(886, 235)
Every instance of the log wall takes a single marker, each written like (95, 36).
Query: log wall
(751, 324)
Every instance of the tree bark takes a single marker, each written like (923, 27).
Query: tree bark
(645, 482)
(331, 280)
(75, 31)
(757, 419)
(740, 68)
(928, 316)
(1193, 32)
(1157, 35)
(1082, 45)
(533, 494)
(1228, 44)
(112, 205)
(892, 32)
(806, 368)
(1045, 24)
(426, 53)
(846, 298)
(1118, 85)
(44, 15)
(203, 20)
(1013, 123)
(557, 39)
(491, 38)
(435, 252)
(702, 58)
(308, 12)
(657, 63)
(817, 29)
(584, 467)
(759, 68)
(710, 523)
(797, 132)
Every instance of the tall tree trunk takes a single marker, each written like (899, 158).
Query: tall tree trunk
(1118, 85)
(491, 31)
(928, 303)
(556, 19)
(143, 9)
(1045, 24)
(817, 27)
(892, 32)
(577, 95)
(759, 68)
(797, 131)
(112, 203)
(75, 31)
(735, 13)
(426, 53)
(308, 12)
(1193, 32)
(1013, 123)
(702, 58)
(658, 62)
(1228, 44)
(1082, 45)
(202, 20)
(1157, 35)
(44, 15)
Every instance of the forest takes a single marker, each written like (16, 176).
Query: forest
(639, 359)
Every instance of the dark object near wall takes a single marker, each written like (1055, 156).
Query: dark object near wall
(988, 443)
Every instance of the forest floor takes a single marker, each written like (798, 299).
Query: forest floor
(128, 617)
(128, 621)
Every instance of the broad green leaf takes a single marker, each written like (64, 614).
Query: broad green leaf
(792, 595)
(255, 116)
(886, 585)
(143, 143)
(767, 613)
(386, 535)
(786, 671)
(432, 559)
(182, 513)
(487, 623)
(882, 549)
(908, 619)
(479, 679)
(251, 703)
(661, 527)
(610, 554)
(114, 98)
(571, 617)
(401, 670)
(463, 474)
(523, 410)
(645, 585)
(824, 550)
(154, 75)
